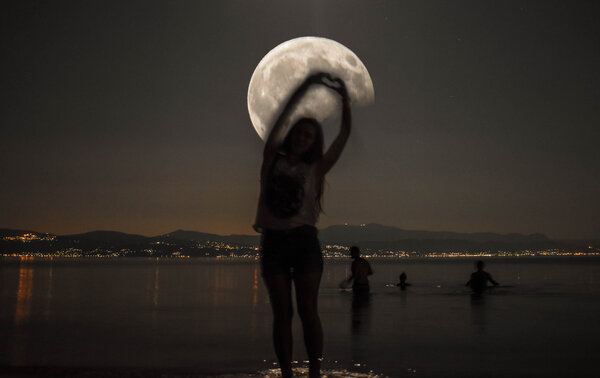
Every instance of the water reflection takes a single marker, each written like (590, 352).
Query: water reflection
(360, 311)
(254, 316)
(49, 293)
(224, 280)
(24, 292)
(478, 314)
(255, 288)
(156, 291)
(361, 314)
(22, 312)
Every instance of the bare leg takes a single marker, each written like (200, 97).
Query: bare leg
(307, 291)
(280, 293)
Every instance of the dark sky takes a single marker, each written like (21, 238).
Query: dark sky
(131, 115)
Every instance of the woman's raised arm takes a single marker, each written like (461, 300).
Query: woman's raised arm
(273, 141)
(335, 150)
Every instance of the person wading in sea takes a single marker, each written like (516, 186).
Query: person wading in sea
(361, 270)
(479, 280)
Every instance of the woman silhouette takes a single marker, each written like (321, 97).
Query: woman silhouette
(292, 177)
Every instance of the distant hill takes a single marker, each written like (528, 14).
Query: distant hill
(378, 233)
(203, 237)
(372, 236)
(339, 233)
(7, 232)
(113, 240)
(106, 237)
(188, 235)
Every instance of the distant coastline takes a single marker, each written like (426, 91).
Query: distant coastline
(374, 239)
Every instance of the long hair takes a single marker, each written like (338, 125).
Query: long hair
(312, 155)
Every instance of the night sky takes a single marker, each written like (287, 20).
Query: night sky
(132, 116)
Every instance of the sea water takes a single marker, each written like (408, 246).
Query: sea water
(212, 317)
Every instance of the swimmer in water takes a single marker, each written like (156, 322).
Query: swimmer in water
(479, 279)
(402, 284)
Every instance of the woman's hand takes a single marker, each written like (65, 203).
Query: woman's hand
(337, 85)
(317, 78)
(329, 81)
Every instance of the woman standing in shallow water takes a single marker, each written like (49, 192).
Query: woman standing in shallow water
(292, 180)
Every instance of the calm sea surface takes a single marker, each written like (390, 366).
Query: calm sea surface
(212, 317)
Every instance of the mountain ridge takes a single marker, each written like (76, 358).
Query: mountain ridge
(376, 232)
(370, 236)
(347, 233)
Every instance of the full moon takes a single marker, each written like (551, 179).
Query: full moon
(284, 68)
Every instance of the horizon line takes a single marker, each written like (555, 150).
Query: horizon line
(322, 228)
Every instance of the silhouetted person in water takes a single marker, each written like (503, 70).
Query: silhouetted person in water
(479, 279)
(403, 284)
(361, 270)
(292, 176)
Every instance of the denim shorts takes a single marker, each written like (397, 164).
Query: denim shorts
(291, 251)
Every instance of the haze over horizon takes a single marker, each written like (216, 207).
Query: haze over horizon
(132, 116)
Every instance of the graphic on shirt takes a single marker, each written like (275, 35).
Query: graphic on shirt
(284, 194)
